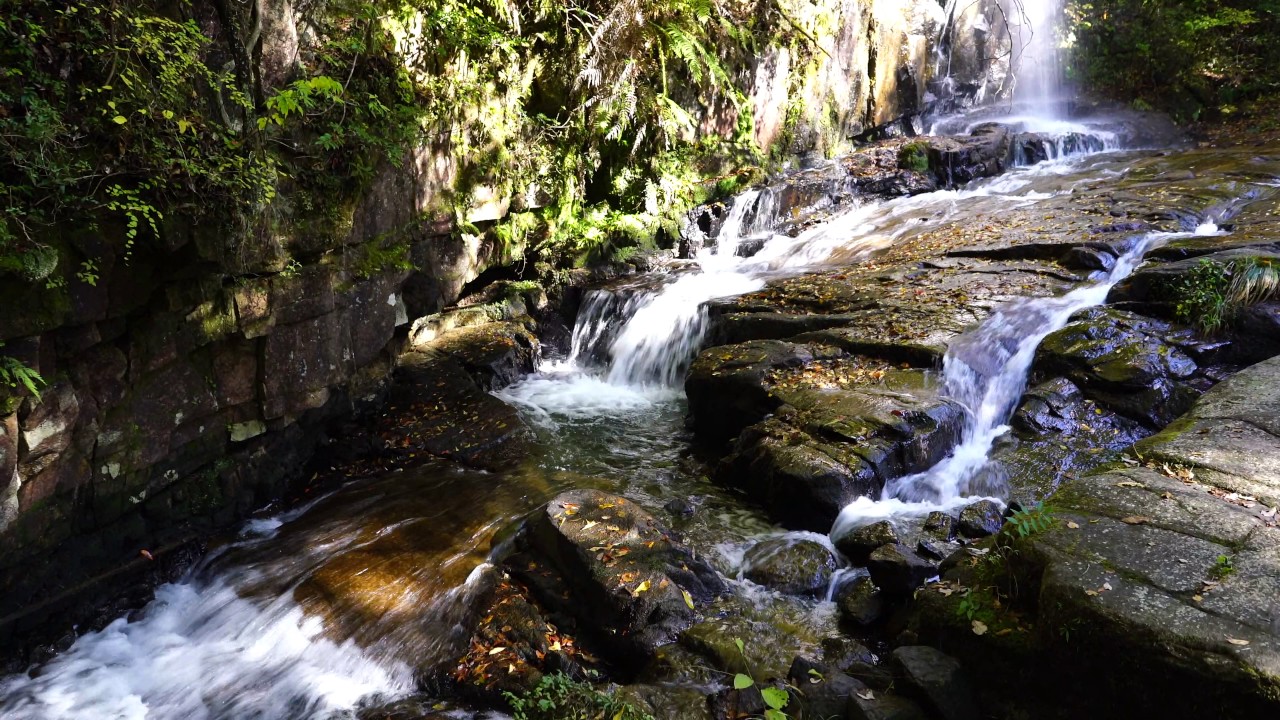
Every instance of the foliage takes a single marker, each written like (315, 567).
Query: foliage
(560, 697)
(15, 375)
(1030, 521)
(914, 156)
(1213, 293)
(1222, 567)
(1184, 56)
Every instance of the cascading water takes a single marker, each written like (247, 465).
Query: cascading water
(1034, 27)
(986, 371)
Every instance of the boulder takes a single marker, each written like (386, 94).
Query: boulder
(860, 543)
(861, 602)
(1123, 361)
(937, 681)
(820, 691)
(980, 519)
(629, 582)
(791, 566)
(898, 570)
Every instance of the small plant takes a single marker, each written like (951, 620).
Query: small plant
(1213, 293)
(1030, 521)
(1222, 567)
(560, 697)
(775, 699)
(914, 156)
(14, 374)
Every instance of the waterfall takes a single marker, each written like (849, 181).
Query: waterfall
(1037, 66)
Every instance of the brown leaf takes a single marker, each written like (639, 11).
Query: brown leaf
(1136, 520)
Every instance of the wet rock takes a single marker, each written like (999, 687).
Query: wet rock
(794, 567)
(985, 153)
(937, 680)
(844, 653)
(840, 444)
(728, 386)
(1124, 362)
(667, 701)
(861, 602)
(772, 635)
(436, 409)
(821, 690)
(860, 543)
(680, 507)
(980, 519)
(629, 583)
(731, 704)
(495, 354)
(898, 570)
(939, 525)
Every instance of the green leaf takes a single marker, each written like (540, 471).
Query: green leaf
(742, 682)
(775, 698)
(119, 119)
(183, 126)
(168, 114)
(772, 714)
(741, 647)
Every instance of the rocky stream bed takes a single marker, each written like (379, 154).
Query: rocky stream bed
(1114, 549)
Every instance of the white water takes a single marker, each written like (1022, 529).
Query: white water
(200, 651)
(1037, 66)
(985, 371)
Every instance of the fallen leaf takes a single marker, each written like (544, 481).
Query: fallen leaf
(868, 695)
(146, 554)
(1073, 525)
(497, 650)
(1236, 641)
(979, 627)
(590, 524)
(1130, 484)
(642, 587)
(1136, 520)
(1107, 586)
(688, 599)
(1198, 598)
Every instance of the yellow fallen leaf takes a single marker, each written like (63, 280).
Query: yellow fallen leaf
(590, 524)
(1237, 641)
(979, 627)
(555, 646)
(497, 650)
(642, 587)
(688, 599)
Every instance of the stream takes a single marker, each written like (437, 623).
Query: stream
(336, 605)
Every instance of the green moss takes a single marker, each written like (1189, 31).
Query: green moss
(914, 156)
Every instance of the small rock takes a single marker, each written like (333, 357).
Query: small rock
(795, 567)
(898, 570)
(860, 601)
(981, 519)
(680, 507)
(940, 525)
(859, 544)
(824, 691)
(937, 680)
(933, 549)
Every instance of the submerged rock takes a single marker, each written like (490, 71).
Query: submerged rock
(795, 567)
